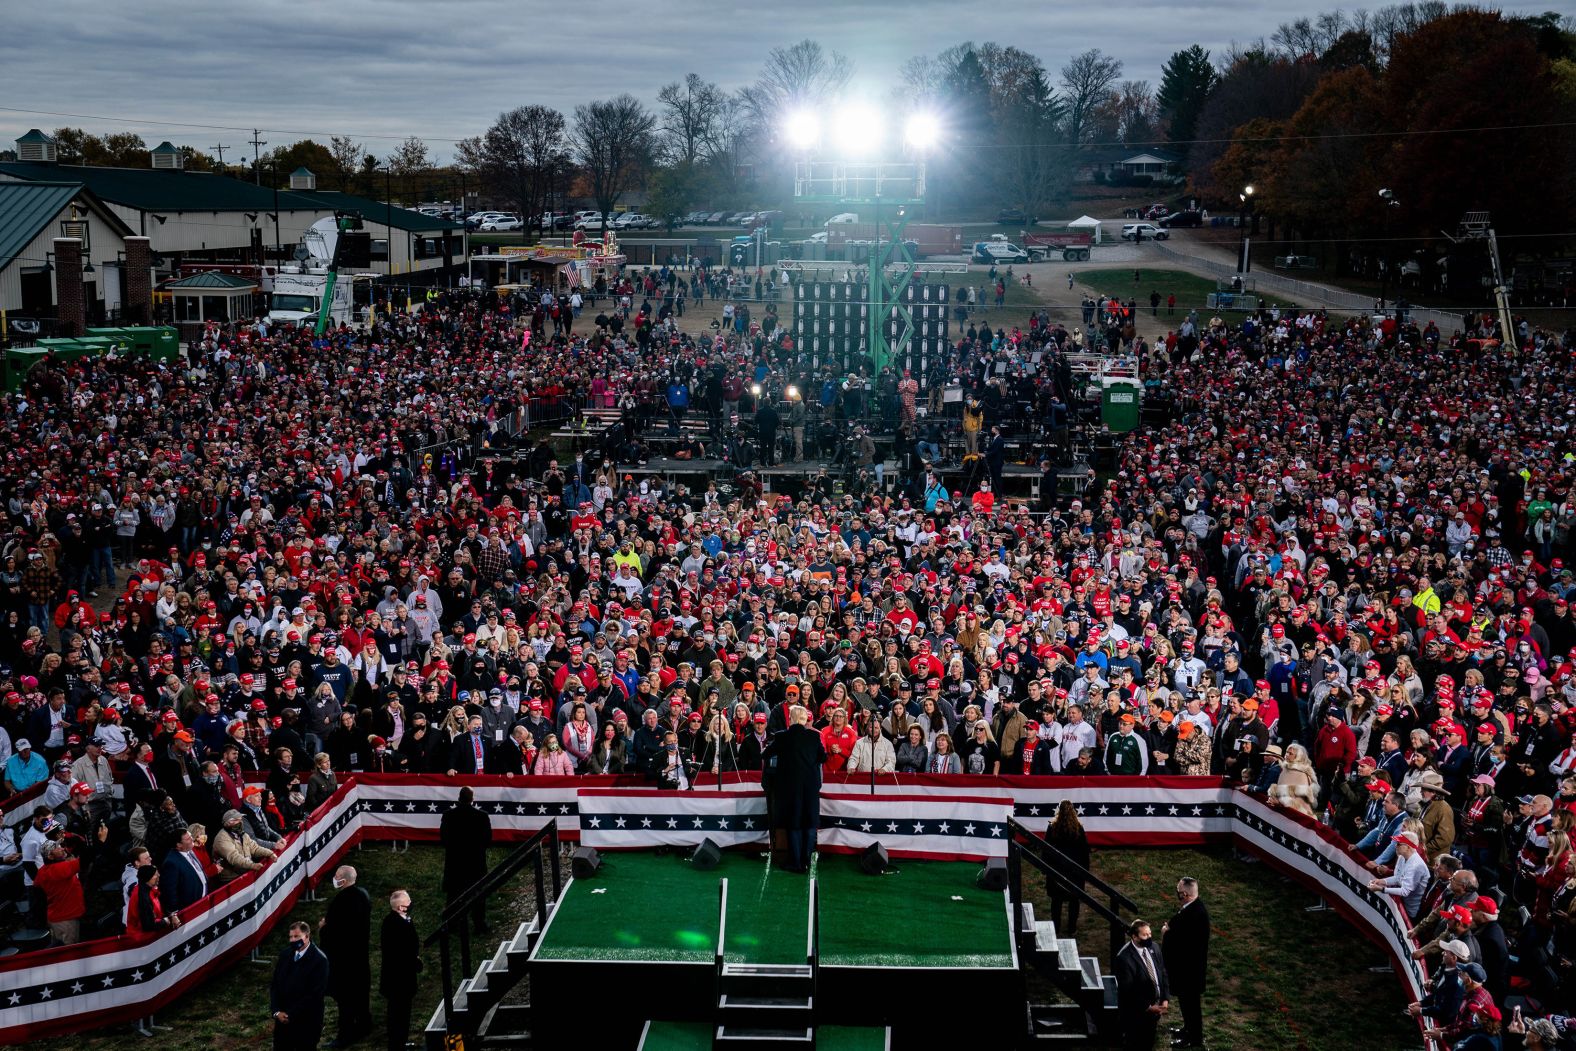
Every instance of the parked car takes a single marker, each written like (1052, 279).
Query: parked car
(1156, 212)
(502, 224)
(1186, 217)
(842, 219)
(589, 221)
(998, 252)
(1015, 217)
(768, 217)
(1137, 231)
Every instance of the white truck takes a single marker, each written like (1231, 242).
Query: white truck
(299, 287)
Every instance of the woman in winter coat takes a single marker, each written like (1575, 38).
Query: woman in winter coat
(912, 755)
(608, 756)
(1298, 785)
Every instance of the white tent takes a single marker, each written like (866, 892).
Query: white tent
(1089, 223)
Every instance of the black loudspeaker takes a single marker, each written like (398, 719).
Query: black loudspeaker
(706, 856)
(873, 861)
(585, 862)
(994, 875)
(355, 250)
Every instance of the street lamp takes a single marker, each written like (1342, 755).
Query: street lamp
(1244, 259)
(1390, 204)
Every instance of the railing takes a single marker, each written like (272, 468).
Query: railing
(813, 935)
(458, 912)
(722, 920)
(1058, 857)
(1047, 859)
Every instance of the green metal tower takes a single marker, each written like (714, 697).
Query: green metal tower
(893, 190)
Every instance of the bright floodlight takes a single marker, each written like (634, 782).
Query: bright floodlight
(803, 129)
(922, 131)
(857, 129)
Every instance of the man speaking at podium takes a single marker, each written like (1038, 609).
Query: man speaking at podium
(792, 780)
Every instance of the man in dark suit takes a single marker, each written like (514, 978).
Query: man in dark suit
(296, 995)
(1186, 952)
(401, 964)
(1142, 993)
(794, 759)
(181, 879)
(995, 458)
(345, 932)
(139, 779)
(465, 834)
(468, 753)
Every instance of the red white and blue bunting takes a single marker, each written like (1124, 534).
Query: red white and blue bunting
(113, 980)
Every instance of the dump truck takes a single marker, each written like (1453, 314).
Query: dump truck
(1073, 248)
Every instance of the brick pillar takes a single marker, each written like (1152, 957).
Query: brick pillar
(137, 304)
(70, 309)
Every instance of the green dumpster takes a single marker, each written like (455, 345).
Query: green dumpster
(158, 341)
(166, 343)
(1119, 407)
(18, 361)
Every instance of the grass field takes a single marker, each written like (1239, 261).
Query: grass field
(231, 1009)
(1191, 290)
(1279, 977)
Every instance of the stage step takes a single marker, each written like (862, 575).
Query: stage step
(766, 1009)
(1045, 939)
(1067, 953)
(767, 980)
(750, 1003)
(760, 1038)
(508, 1028)
(436, 1036)
(1058, 1023)
(1108, 987)
(1091, 973)
(525, 938)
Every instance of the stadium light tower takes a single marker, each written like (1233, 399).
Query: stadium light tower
(852, 159)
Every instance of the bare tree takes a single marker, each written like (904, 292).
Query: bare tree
(1086, 80)
(408, 162)
(801, 75)
(613, 141)
(347, 158)
(521, 158)
(690, 111)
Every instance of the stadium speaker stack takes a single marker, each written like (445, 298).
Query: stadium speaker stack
(585, 862)
(873, 861)
(706, 856)
(994, 875)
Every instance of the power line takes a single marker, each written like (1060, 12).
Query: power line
(1406, 132)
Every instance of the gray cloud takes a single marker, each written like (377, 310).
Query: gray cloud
(383, 69)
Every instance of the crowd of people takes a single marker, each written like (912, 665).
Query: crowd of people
(1338, 574)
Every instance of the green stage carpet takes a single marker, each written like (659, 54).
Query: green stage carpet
(641, 907)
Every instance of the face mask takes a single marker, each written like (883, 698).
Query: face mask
(296, 945)
(496, 701)
(212, 779)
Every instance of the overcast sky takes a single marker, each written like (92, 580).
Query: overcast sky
(384, 69)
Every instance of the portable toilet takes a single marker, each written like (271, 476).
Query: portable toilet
(1119, 407)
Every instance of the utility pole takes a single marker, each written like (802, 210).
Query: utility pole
(257, 144)
(219, 148)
